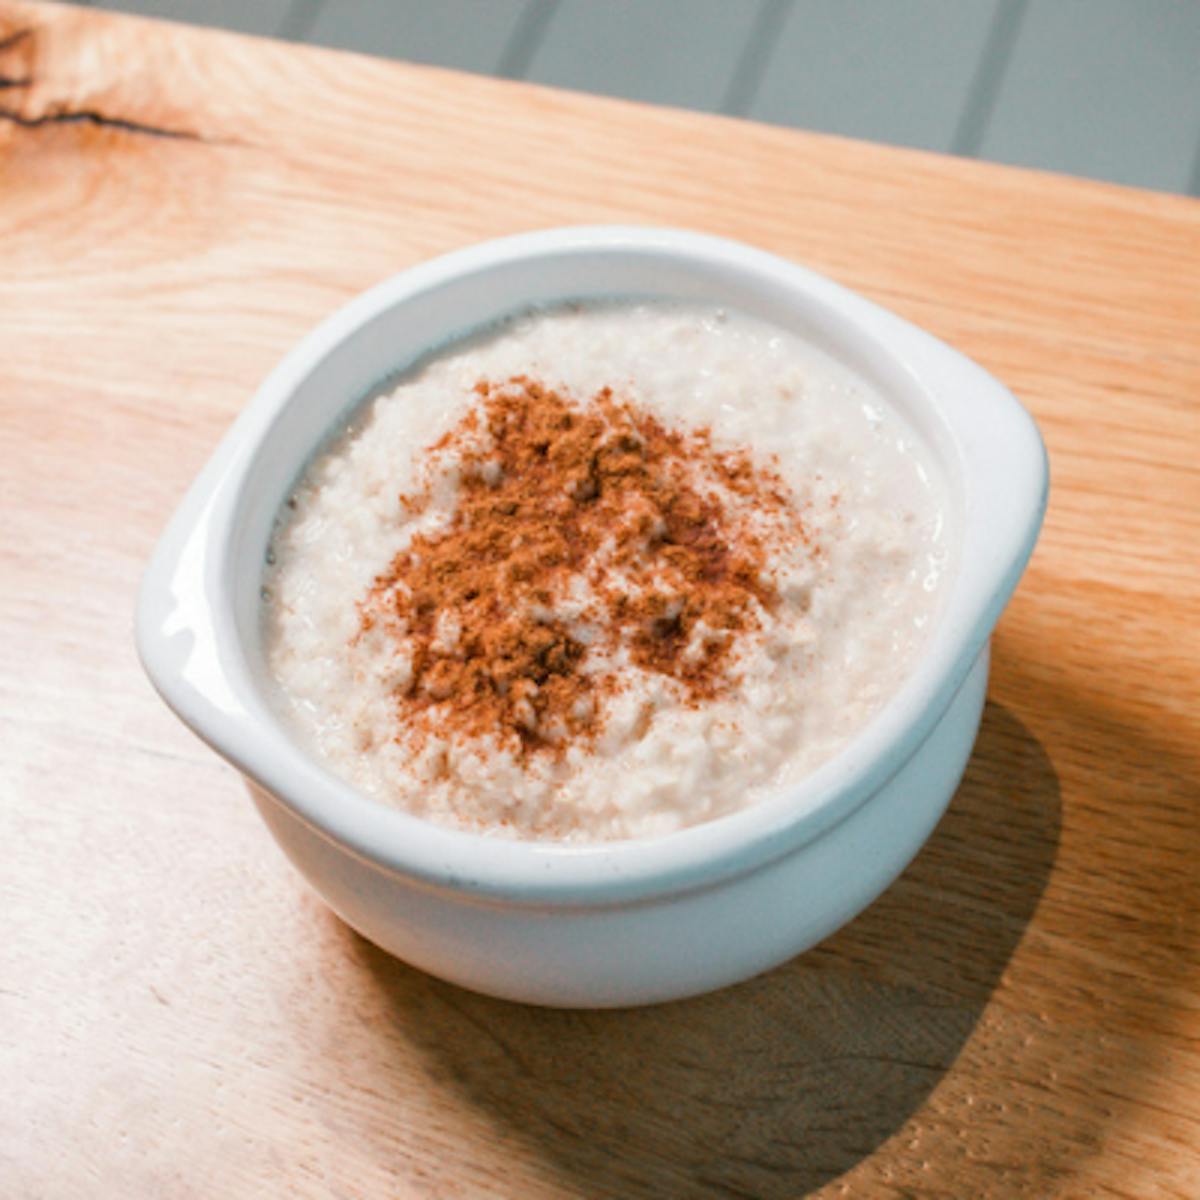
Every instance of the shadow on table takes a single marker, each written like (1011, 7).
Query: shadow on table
(784, 1083)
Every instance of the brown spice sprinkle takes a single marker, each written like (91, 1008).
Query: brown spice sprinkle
(555, 496)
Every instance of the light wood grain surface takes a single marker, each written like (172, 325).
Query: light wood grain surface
(1018, 1016)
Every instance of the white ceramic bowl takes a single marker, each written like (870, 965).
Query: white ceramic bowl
(627, 922)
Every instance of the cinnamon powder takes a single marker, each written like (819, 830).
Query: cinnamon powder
(585, 535)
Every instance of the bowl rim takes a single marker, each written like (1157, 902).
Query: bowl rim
(186, 632)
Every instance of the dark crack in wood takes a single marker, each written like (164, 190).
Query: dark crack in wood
(90, 116)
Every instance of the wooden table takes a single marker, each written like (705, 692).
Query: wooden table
(1018, 1016)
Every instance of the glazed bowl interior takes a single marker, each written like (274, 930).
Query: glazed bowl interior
(200, 629)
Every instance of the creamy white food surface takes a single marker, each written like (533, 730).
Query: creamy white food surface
(854, 602)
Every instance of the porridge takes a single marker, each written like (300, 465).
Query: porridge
(603, 571)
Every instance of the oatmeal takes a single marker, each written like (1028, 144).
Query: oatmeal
(603, 572)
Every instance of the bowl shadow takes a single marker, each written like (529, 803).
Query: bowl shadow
(784, 1083)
